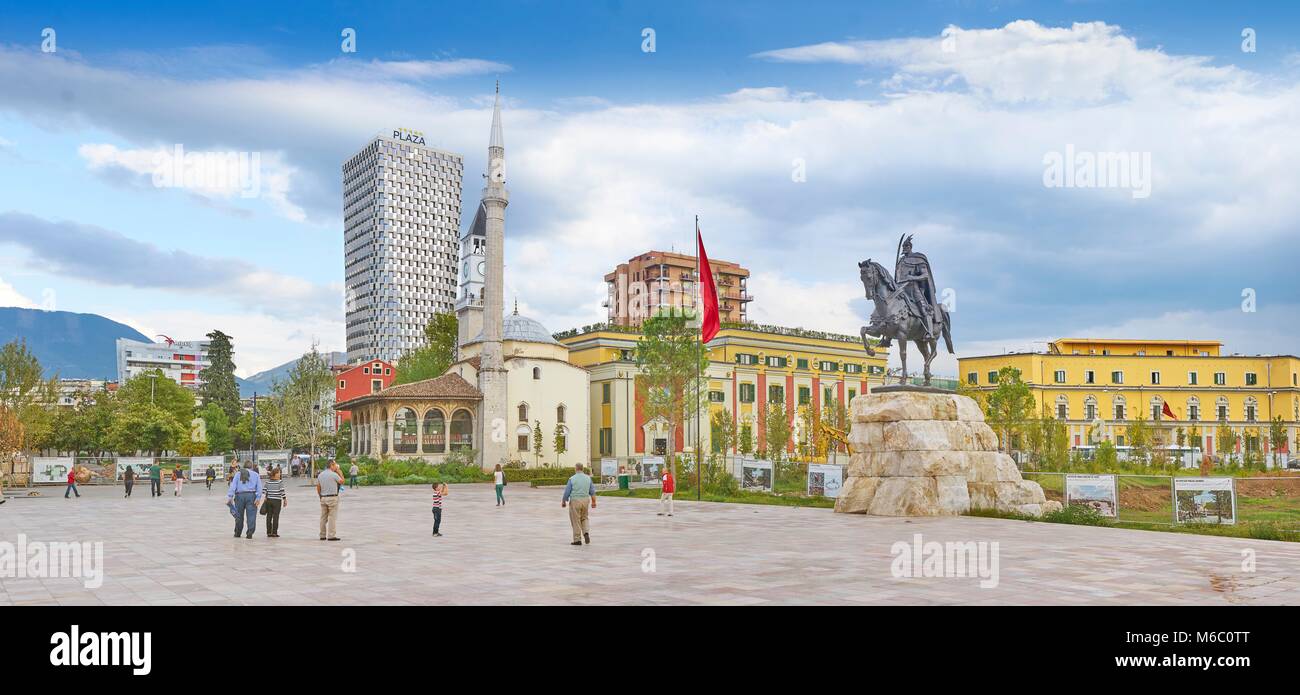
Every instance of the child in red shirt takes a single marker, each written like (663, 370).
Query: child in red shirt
(669, 486)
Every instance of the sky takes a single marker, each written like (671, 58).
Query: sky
(806, 136)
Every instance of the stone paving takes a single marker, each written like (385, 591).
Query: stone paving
(181, 551)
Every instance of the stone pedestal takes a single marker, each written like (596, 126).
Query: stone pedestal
(922, 453)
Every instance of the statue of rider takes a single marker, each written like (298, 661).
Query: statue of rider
(916, 285)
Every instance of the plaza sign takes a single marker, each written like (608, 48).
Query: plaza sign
(412, 136)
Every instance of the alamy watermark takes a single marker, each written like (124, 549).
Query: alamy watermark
(1084, 169)
(225, 171)
(41, 560)
(951, 559)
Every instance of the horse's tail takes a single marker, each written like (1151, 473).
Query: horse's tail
(947, 334)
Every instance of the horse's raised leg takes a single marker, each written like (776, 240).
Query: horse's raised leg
(928, 350)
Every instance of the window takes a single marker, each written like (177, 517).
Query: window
(1220, 378)
(1252, 379)
(404, 432)
(1191, 378)
(827, 395)
(801, 363)
(462, 430)
(388, 371)
(826, 366)
(1223, 411)
(604, 393)
(717, 397)
(522, 441)
(1089, 377)
(523, 412)
(776, 362)
(1119, 411)
(776, 394)
(1156, 411)
(434, 439)
(1117, 377)
(342, 384)
(1251, 408)
(625, 355)
(559, 413)
(993, 377)
(1060, 411)
(606, 441)
(1193, 411)
(1155, 378)
(805, 395)
(746, 393)
(852, 394)
(1090, 410)
(1119, 440)
(376, 386)
(537, 372)
(742, 358)
(365, 370)
(973, 378)
(852, 368)
(873, 369)
(1060, 376)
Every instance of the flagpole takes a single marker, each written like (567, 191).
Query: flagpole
(699, 300)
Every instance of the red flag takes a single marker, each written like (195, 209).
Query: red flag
(708, 292)
(1168, 412)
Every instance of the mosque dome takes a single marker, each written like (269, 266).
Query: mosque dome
(523, 329)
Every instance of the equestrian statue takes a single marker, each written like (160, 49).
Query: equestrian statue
(907, 306)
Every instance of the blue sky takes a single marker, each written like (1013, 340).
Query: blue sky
(613, 150)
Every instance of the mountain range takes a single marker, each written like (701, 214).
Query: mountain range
(84, 346)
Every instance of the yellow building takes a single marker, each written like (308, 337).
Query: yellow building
(748, 368)
(1096, 385)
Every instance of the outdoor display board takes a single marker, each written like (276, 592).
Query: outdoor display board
(1205, 501)
(650, 467)
(1100, 492)
(825, 479)
(48, 469)
(755, 475)
(199, 467)
(140, 465)
(608, 466)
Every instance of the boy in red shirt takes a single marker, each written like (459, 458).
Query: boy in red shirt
(666, 492)
(72, 484)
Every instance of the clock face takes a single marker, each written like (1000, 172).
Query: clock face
(482, 268)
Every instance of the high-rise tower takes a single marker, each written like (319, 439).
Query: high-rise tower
(492, 371)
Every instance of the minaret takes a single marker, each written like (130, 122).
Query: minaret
(492, 370)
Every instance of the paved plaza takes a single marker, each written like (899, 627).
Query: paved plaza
(181, 551)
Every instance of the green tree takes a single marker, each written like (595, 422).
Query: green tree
(778, 431)
(1277, 436)
(722, 431)
(560, 441)
(435, 357)
(219, 387)
(26, 393)
(745, 441)
(1106, 459)
(154, 388)
(147, 427)
(300, 401)
(1225, 442)
(1008, 406)
(835, 416)
(537, 441)
(216, 429)
(1139, 436)
(670, 357)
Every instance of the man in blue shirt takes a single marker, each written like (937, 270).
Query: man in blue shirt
(244, 495)
(580, 497)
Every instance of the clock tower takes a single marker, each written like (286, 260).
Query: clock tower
(473, 267)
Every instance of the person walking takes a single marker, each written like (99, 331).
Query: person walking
(244, 495)
(580, 497)
(72, 483)
(178, 477)
(274, 502)
(499, 477)
(128, 480)
(155, 479)
(210, 476)
(439, 492)
(327, 489)
(667, 487)
(352, 475)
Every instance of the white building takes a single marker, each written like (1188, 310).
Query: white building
(182, 361)
(401, 219)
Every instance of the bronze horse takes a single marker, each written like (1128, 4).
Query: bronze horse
(894, 320)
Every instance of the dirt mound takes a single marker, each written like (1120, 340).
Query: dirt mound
(1257, 487)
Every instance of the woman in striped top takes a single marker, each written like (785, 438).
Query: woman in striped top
(275, 500)
(439, 492)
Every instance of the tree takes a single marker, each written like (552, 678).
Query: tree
(216, 429)
(1225, 441)
(1276, 435)
(537, 441)
(147, 427)
(745, 441)
(560, 442)
(806, 447)
(1009, 405)
(435, 357)
(219, 387)
(298, 401)
(1139, 436)
(26, 393)
(670, 357)
(722, 431)
(835, 416)
(778, 431)
(154, 388)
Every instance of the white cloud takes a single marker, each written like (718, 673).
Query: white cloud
(9, 296)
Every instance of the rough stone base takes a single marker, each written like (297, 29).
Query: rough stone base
(930, 454)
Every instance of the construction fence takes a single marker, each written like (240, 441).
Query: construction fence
(1163, 499)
